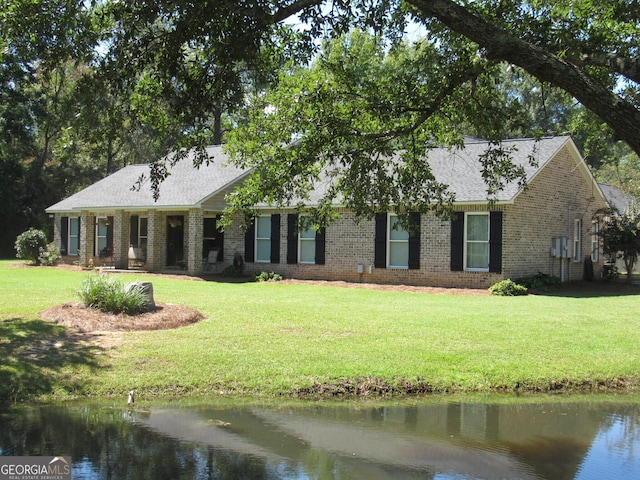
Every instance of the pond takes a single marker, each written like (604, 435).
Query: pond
(538, 439)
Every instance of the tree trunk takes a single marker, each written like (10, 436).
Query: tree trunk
(217, 126)
(629, 262)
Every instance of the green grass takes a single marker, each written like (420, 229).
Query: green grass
(266, 339)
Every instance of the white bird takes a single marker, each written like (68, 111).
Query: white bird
(131, 397)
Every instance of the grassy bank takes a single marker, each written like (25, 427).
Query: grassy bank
(271, 339)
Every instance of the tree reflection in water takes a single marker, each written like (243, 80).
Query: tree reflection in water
(538, 441)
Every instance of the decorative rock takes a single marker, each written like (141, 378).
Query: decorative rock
(147, 290)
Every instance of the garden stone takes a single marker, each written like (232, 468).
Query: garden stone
(147, 290)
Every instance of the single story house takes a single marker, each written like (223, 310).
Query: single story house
(548, 227)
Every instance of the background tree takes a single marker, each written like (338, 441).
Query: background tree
(621, 236)
(62, 127)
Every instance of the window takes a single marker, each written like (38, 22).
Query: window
(138, 234)
(263, 238)
(595, 240)
(102, 225)
(395, 247)
(577, 240)
(210, 236)
(398, 250)
(142, 231)
(476, 243)
(304, 246)
(74, 235)
(307, 244)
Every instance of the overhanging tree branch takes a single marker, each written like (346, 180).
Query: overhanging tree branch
(627, 67)
(622, 116)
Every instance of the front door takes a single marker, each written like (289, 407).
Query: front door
(175, 241)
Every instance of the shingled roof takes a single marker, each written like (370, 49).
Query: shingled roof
(462, 171)
(186, 187)
(189, 187)
(460, 168)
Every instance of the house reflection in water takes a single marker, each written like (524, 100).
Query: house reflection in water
(488, 441)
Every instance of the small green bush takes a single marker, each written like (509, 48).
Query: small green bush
(50, 256)
(541, 282)
(107, 294)
(29, 245)
(507, 288)
(267, 277)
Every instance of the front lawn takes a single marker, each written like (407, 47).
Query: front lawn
(266, 339)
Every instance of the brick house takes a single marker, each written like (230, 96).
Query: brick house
(548, 227)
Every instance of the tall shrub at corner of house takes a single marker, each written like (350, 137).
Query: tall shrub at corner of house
(109, 295)
(30, 244)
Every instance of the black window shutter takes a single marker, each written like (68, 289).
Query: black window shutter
(110, 232)
(380, 256)
(78, 233)
(275, 238)
(457, 242)
(250, 242)
(321, 236)
(292, 238)
(64, 235)
(495, 241)
(133, 231)
(414, 240)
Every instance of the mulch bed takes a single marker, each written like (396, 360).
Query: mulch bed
(86, 319)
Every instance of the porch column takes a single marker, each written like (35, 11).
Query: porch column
(156, 241)
(194, 241)
(87, 229)
(57, 234)
(120, 239)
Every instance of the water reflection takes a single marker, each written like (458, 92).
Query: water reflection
(443, 441)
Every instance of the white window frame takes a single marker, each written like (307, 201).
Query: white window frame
(595, 240)
(467, 241)
(577, 239)
(262, 240)
(392, 219)
(308, 241)
(73, 237)
(97, 248)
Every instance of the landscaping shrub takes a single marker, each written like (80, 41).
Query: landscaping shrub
(541, 282)
(507, 288)
(267, 277)
(50, 256)
(30, 244)
(107, 294)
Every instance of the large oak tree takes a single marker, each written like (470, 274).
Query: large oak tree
(183, 62)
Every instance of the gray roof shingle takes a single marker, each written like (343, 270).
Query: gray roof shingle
(617, 198)
(461, 169)
(185, 187)
(188, 187)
